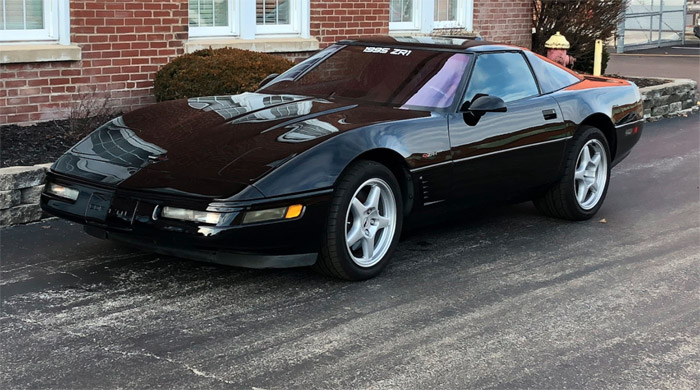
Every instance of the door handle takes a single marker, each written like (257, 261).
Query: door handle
(549, 114)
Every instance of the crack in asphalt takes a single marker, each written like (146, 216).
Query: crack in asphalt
(186, 366)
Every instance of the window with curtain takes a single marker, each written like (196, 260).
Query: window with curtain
(408, 14)
(208, 13)
(245, 17)
(401, 11)
(445, 11)
(277, 16)
(21, 14)
(272, 12)
(211, 17)
(33, 20)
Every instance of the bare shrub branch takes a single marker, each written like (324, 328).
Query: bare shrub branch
(92, 109)
(580, 21)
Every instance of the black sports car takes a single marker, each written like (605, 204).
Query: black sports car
(321, 165)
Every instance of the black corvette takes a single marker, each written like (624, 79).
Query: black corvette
(321, 165)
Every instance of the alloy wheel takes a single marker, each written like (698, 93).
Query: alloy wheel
(370, 222)
(591, 174)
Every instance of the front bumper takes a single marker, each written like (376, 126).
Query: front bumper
(132, 218)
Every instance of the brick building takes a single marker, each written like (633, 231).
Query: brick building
(53, 53)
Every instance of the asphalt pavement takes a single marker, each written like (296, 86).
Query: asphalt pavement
(503, 298)
(672, 62)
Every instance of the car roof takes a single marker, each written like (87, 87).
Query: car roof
(431, 42)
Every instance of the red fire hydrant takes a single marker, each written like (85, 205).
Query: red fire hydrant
(556, 50)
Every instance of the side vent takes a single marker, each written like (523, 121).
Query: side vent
(425, 189)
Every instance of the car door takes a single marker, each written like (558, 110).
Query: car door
(506, 154)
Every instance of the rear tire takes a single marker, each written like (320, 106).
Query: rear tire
(581, 191)
(364, 223)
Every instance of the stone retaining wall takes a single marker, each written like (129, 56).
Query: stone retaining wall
(679, 97)
(20, 190)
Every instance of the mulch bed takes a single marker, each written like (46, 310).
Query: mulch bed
(45, 142)
(641, 83)
(42, 142)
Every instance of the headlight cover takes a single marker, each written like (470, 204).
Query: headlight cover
(191, 215)
(62, 191)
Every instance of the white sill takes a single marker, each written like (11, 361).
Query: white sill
(265, 45)
(15, 54)
(456, 32)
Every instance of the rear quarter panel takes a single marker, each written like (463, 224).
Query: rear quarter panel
(619, 100)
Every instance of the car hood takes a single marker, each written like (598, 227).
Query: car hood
(214, 146)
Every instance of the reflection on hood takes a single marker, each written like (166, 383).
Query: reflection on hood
(215, 146)
(307, 131)
(229, 107)
(116, 143)
(110, 154)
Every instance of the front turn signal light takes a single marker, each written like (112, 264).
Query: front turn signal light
(294, 211)
(291, 212)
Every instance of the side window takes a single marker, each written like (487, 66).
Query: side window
(552, 77)
(505, 75)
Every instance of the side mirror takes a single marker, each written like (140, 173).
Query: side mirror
(267, 79)
(482, 104)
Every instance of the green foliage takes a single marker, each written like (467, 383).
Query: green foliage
(581, 22)
(210, 72)
(584, 63)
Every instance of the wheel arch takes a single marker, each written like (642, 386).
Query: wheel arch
(397, 165)
(603, 123)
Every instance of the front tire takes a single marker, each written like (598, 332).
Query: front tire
(581, 191)
(364, 223)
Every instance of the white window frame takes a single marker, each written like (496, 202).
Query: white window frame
(242, 23)
(415, 24)
(56, 26)
(231, 29)
(465, 10)
(424, 14)
(292, 28)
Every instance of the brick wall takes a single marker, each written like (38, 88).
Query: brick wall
(504, 21)
(334, 20)
(123, 43)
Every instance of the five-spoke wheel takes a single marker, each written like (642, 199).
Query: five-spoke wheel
(364, 222)
(591, 174)
(581, 190)
(370, 221)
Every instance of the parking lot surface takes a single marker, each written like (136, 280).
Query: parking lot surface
(500, 298)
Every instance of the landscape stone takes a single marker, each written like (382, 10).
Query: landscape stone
(659, 110)
(20, 214)
(31, 195)
(9, 199)
(13, 178)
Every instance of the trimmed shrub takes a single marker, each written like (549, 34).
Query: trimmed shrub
(581, 22)
(211, 72)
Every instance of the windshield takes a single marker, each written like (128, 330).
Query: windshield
(388, 76)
